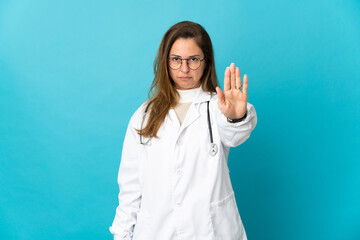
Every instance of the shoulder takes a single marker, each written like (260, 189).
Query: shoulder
(137, 117)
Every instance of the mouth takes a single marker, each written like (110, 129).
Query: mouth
(185, 78)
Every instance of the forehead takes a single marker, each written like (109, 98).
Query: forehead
(185, 47)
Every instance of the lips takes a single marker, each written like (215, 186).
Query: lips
(185, 78)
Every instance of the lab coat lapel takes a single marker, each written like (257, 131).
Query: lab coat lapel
(193, 112)
(173, 123)
(173, 119)
(191, 116)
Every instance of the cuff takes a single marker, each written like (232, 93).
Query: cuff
(237, 120)
(249, 114)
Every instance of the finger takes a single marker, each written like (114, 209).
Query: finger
(221, 96)
(227, 79)
(238, 78)
(232, 76)
(245, 87)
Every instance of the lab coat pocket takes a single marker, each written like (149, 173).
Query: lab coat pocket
(142, 226)
(226, 219)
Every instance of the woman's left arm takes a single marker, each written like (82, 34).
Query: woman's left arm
(236, 118)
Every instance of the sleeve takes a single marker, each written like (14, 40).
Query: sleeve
(234, 134)
(129, 186)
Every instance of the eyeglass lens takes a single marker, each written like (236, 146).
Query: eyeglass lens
(193, 63)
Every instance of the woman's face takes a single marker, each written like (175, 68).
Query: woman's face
(184, 77)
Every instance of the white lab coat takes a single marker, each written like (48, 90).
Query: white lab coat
(172, 188)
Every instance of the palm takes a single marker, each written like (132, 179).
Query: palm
(232, 102)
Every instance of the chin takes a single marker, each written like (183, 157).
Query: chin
(187, 86)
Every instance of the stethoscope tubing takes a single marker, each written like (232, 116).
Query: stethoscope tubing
(209, 123)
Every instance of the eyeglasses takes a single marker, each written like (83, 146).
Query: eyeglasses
(193, 62)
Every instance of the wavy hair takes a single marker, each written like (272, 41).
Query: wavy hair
(162, 94)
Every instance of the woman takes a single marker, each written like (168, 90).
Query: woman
(173, 178)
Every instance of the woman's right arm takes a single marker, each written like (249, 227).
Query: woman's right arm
(129, 185)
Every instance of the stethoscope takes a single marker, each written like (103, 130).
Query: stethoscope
(213, 146)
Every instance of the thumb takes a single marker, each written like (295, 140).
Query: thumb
(221, 96)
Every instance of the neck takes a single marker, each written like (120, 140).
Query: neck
(187, 95)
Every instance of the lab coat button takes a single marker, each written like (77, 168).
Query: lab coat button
(178, 204)
(178, 171)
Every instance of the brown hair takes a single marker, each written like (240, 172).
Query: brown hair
(162, 93)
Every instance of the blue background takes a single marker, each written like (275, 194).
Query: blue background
(73, 72)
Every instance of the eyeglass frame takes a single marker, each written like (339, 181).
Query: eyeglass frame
(187, 62)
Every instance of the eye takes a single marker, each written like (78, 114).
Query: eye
(195, 59)
(174, 59)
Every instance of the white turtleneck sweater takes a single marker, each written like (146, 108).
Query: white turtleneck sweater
(186, 98)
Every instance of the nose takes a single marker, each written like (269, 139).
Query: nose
(184, 66)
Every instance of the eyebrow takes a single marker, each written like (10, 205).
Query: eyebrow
(174, 55)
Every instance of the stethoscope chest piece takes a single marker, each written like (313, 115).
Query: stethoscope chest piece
(213, 149)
